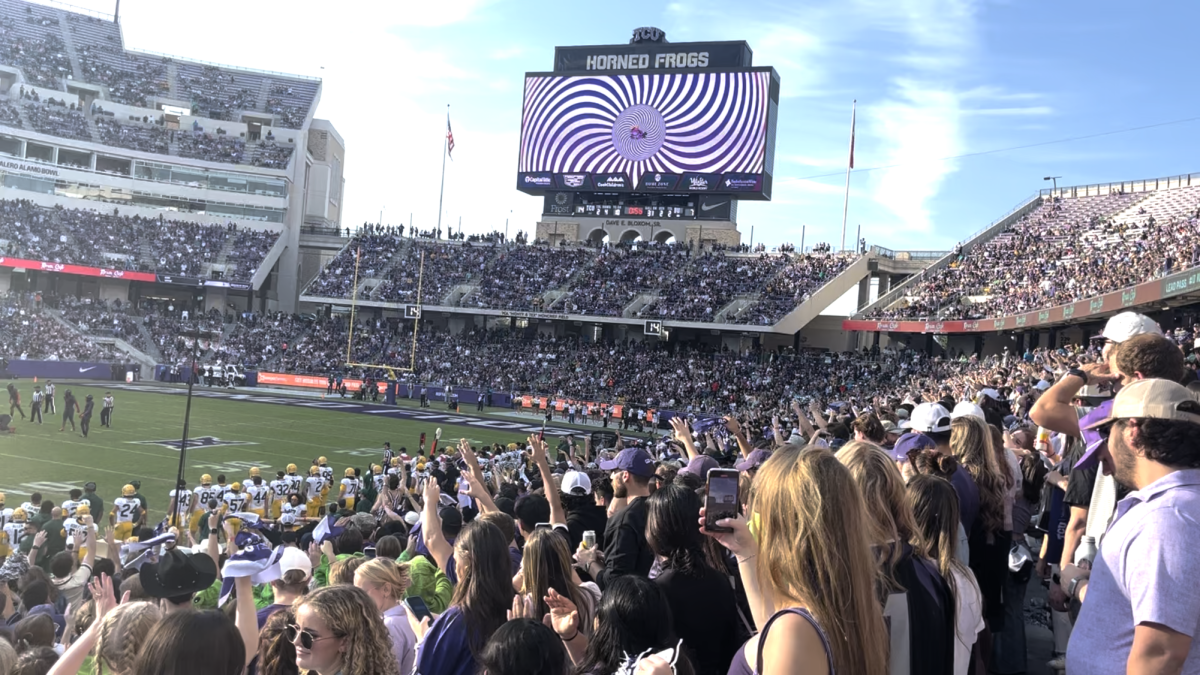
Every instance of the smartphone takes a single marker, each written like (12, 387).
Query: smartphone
(369, 552)
(417, 607)
(722, 500)
(542, 526)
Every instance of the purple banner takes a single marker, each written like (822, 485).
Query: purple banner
(70, 370)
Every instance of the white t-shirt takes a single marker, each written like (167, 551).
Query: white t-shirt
(968, 619)
(71, 587)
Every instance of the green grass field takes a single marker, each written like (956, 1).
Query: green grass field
(40, 458)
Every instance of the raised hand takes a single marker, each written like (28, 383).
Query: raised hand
(739, 542)
(563, 617)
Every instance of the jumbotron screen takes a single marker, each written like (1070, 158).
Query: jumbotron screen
(649, 132)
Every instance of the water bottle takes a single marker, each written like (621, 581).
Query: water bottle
(1087, 550)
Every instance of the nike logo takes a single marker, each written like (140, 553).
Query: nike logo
(710, 207)
(84, 370)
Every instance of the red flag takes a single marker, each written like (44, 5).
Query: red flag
(853, 114)
(449, 138)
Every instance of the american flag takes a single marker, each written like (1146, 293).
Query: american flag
(853, 116)
(449, 139)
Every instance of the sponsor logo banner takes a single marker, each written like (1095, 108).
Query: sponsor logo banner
(81, 270)
(741, 182)
(573, 181)
(535, 180)
(67, 370)
(700, 182)
(232, 285)
(653, 181)
(309, 381)
(611, 181)
(179, 281)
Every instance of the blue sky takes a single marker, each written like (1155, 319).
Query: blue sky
(933, 79)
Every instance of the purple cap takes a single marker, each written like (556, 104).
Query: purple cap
(633, 460)
(699, 466)
(754, 460)
(1092, 438)
(909, 442)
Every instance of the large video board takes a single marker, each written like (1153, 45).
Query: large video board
(678, 133)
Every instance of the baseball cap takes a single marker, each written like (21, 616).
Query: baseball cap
(295, 559)
(909, 442)
(1042, 385)
(967, 409)
(1126, 325)
(699, 466)
(1092, 438)
(752, 461)
(1154, 399)
(929, 417)
(633, 460)
(902, 413)
(452, 521)
(576, 483)
(988, 392)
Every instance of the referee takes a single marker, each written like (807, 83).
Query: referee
(36, 412)
(106, 410)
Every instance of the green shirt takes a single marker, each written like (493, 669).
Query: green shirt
(56, 541)
(95, 503)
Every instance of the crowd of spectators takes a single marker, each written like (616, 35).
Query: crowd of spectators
(793, 285)
(9, 114)
(58, 118)
(44, 59)
(214, 93)
(144, 137)
(620, 274)
(131, 80)
(709, 282)
(113, 241)
(519, 277)
(1065, 250)
(28, 333)
(214, 147)
(257, 339)
(371, 251)
(103, 319)
(446, 266)
(271, 155)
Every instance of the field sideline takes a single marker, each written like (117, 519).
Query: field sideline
(267, 434)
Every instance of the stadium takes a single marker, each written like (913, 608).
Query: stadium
(173, 254)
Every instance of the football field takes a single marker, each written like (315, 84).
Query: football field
(230, 432)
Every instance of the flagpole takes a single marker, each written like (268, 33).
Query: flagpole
(849, 165)
(442, 189)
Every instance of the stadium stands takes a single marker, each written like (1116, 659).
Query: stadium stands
(28, 333)
(593, 281)
(55, 118)
(85, 237)
(146, 137)
(102, 319)
(1063, 251)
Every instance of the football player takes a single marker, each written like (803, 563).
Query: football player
(205, 493)
(71, 505)
(350, 488)
(279, 494)
(125, 512)
(78, 526)
(295, 483)
(181, 510)
(315, 488)
(257, 493)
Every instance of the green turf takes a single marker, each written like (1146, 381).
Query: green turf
(40, 458)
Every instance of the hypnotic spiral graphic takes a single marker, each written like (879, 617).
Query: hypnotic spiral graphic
(665, 122)
(638, 133)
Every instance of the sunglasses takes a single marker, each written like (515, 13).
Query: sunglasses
(307, 638)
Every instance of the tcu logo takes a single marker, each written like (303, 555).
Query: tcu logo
(647, 34)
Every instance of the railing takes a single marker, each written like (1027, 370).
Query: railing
(222, 66)
(72, 8)
(1129, 186)
(906, 255)
(324, 230)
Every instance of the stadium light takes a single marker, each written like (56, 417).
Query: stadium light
(1054, 180)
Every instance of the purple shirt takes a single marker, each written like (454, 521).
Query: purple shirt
(1146, 572)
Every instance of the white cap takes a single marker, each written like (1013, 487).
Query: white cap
(412, 517)
(1126, 325)
(295, 559)
(576, 483)
(988, 392)
(929, 417)
(967, 409)
(1042, 385)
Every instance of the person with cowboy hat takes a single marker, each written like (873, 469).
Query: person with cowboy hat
(178, 576)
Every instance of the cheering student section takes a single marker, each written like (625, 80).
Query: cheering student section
(896, 530)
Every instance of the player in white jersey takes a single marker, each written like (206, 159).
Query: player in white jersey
(14, 529)
(5, 514)
(314, 489)
(295, 483)
(378, 476)
(235, 499)
(257, 494)
(326, 471)
(179, 505)
(350, 488)
(78, 526)
(126, 512)
(71, 505)
(204, 493)
(279, 494)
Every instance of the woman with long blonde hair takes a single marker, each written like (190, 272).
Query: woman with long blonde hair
(338, 632)
(919, 605)
(386, 582)
(810, 577)
(935, 510)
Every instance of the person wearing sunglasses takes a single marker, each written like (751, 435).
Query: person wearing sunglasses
(339, 632)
